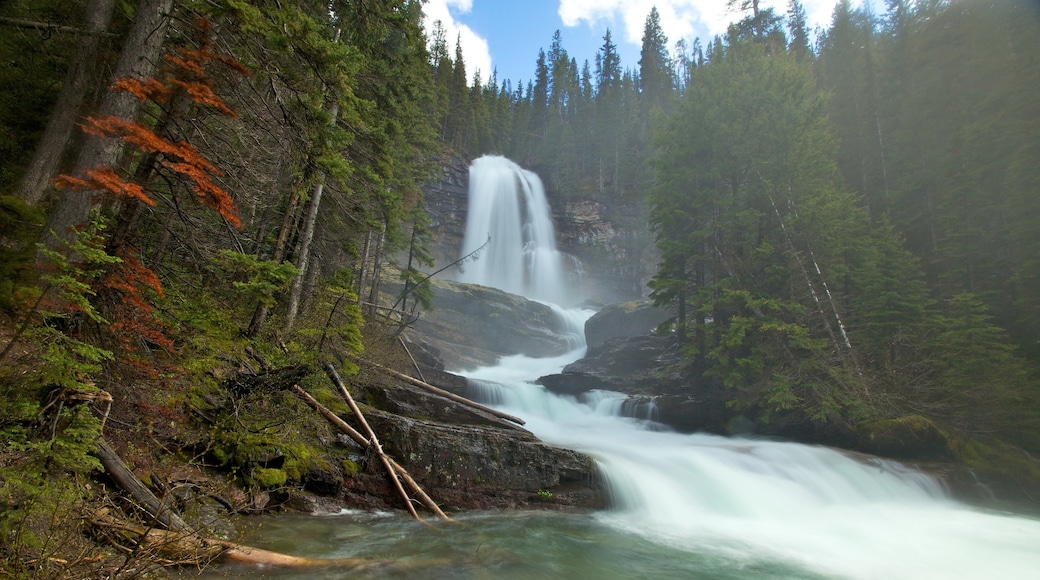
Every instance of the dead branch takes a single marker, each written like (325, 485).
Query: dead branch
(373, 440)
(443, 393)
(360, 439)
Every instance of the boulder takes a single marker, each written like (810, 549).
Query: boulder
(473, 326)
(625, 320)
(469, 459)
(471, 466)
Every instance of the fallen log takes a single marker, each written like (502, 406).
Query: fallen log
(373, 441)
(128, 482)
(446, 394)
(181, 548)
(360, 439)
(177, 543)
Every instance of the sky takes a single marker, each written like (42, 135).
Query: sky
(507, 34)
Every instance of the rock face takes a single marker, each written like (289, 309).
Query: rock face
(607, 234)
(445, 199)
(472, 326)
(467, 459)
(625, 320)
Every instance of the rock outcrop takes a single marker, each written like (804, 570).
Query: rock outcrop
(473, 326)
(468, 459)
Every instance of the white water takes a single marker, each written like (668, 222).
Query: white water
(507, 204)
(748, 501)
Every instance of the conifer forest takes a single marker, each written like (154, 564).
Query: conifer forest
(199, 196)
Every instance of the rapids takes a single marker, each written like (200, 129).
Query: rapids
(682, 506)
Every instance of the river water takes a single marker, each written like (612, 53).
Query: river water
(682, 506)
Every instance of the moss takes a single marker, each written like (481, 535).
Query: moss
(268, 478)
(996, 457)
(350, 468)
(907, 437)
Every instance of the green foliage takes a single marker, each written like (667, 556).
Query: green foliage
(257, 280)
(986, 386)
(19, 228)
(336, 325)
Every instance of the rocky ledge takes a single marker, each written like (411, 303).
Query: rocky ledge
(465, 458)
(474, 326)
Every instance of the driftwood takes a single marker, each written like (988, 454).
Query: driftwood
(446, 394)
(174, 541)
(178, 547)
(373, 441)
(360, 439)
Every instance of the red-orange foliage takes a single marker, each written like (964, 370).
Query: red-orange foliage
(188, 74)
(131, 285)
(105, 179)
(148, 89)
(133, 319)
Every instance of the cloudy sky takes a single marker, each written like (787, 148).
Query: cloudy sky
(506, 34)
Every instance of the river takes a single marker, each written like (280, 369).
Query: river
(682, 505)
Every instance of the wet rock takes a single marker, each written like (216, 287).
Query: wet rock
(473, 326)
(472, 466)
(629, 319)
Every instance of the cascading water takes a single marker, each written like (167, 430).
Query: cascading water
(744, 501)
(684, 506)
(509, 212)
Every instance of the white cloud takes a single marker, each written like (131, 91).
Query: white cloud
(679, 18)
(475, 50)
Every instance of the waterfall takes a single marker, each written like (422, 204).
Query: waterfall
(752, 500)
(507, 204)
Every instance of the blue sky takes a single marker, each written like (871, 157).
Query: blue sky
(507, 34)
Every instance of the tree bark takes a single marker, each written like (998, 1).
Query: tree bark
(138, 59)
(44, 165)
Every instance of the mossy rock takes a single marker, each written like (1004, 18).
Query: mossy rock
(908, 437)
(268, 478)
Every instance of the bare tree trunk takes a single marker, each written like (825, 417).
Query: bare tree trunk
(296, 290)
(140, 53)
(364, 265)
(376, 267)
(44, 165)
(288, 225)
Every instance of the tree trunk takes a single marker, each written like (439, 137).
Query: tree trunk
(363, 269)
(138, 59)
(377, 265)
(44, 165)
(126, 480)
(288, 225)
